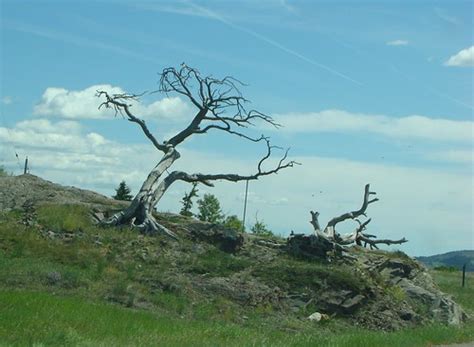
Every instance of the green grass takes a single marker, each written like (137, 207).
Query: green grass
(32, 318)
(115, 288)
(217, 263)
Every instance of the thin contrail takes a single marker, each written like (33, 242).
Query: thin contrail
(75, 40)
(274, 43)
(429, 88)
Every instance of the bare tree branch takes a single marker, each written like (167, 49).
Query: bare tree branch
(207, 178)
(118, 103)
(374, 243)
(357, 213)
(314, 220)
(219, 102)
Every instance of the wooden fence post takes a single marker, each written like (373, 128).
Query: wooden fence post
(26, 166)
(463, 275)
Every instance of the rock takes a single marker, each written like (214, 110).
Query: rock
(53, 277)
(98, 217)
(317, 317)
(247, 292)
(423, 301)
(395, 268)
(308, 247)
(440, 307)
(228, 240)
(340, 301)
(353, 303)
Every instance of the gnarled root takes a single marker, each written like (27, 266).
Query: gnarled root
(137, 217)
(150, 226)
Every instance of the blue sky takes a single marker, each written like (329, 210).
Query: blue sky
(367, 91)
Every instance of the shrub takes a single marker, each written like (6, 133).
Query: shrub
(4, 172)
(233, 222)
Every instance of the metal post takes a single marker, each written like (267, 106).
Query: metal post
(26, 166)
(463, 274)
(245, 202)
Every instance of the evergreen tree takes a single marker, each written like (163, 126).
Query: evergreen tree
(188, 202)
(210, 209)
(122, 192)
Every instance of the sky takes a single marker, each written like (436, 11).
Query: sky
(377, 92)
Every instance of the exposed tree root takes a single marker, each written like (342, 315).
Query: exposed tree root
(358, 236)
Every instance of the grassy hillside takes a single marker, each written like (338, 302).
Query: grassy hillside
(66, 282)
(63, 281)
(454, 259)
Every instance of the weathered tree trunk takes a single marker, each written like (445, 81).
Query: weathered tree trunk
(140, 212)
(220, 106)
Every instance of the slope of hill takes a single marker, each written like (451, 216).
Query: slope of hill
(16, 190)
(214, 284)
(454, 259)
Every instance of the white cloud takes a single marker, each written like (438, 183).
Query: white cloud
(45, 126)
(44, 134)
(64, 150)
(464, 57)
(7, 100)
(80, 104)
(414, 127)
(397, 43)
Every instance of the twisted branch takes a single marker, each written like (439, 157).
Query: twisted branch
(118, 102)
(357, 236)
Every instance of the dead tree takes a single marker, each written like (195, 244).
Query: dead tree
(358, 236)
(219, 106)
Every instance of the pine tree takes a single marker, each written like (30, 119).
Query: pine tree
(188, 202)
(210, 209)
(122, 192)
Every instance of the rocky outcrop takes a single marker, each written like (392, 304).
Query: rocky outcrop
(410, 290)
(227, 239)
(308, 247)
(16, 190)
